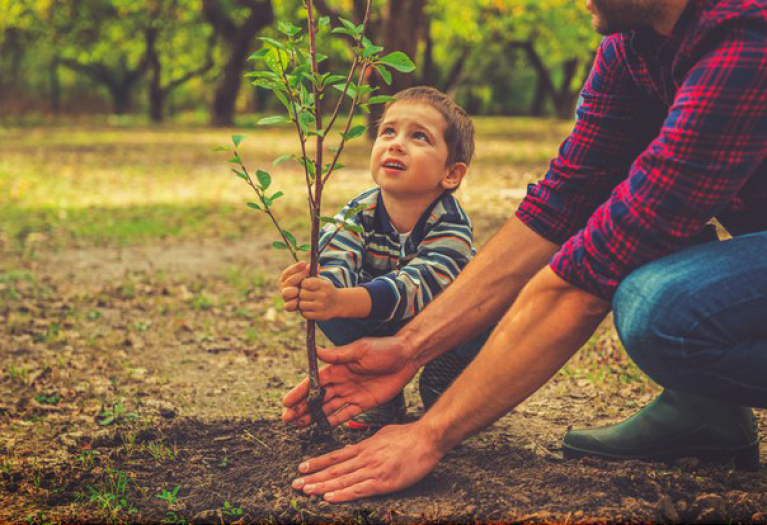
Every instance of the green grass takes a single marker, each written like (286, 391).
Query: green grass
(123, 183)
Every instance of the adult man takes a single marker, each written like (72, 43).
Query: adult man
(672, 131)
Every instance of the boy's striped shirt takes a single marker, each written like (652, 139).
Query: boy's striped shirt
(401, 280)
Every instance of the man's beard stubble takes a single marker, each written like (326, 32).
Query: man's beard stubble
(617, 16)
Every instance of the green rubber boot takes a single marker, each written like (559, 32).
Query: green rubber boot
(675, 425)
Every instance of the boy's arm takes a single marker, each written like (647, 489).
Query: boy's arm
(442, 254)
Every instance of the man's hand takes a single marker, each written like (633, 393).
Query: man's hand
(360, 376)
(395, 458)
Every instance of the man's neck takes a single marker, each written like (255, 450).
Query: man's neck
(404, 212)
(673, 10)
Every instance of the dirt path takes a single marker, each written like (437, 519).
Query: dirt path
(166, 363)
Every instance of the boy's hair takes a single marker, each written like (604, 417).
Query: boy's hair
(459, 133)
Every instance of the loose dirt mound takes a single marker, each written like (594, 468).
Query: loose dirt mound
(241, 470)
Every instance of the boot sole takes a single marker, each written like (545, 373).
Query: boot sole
(744, 458)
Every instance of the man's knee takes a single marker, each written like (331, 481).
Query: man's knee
(648, 313)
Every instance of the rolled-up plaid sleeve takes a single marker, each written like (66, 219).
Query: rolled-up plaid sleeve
(609, 133)
(713, 140)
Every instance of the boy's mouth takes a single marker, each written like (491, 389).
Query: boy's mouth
(393, 165)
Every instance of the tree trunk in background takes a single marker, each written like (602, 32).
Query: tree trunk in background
(118, 81)
(55, 85)
(239, 38)
(156, 95)
(401, 31)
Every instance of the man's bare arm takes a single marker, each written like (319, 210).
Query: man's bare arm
(483, 292)
(549, 321)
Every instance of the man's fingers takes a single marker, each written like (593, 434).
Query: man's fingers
(340, 354)
(345, 414)
(364, 489)
(298, 394)
(328, 460)
(338, 482)
(333, 405)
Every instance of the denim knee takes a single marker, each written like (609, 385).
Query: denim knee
(646, 315)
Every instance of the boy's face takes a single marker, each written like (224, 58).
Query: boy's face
(409, 157)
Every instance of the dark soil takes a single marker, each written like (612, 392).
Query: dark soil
(241, 470)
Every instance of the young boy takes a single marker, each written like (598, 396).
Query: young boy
(415, 240)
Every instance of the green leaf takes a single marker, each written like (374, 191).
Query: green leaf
(355, 132)
(254, 206)
(240, 174)
(236, 160)
(289, 236)
(352, 91)
(261, 53)
(237, 139)
(282, 158)
(334, 79)
(353, 211)
(328, 220)
(321, 57)
(379, 99)
(385, 74)
(275, 43)
(280, 245)
(343, 31)
(288, 28)
(353, 227)
(282, 98)
(222, 148)
(264, 179)
(304, 248)
(276, 196)
(399, 61)
(271, 75)
(305, 120)
(271, 120)
(349, 24)
(323, 21)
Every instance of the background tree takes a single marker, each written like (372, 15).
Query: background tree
(173, 49)
(239, 37)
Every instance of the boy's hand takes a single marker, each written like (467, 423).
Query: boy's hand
(319, 300)
(290, 284)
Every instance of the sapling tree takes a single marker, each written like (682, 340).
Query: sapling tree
(293, 74)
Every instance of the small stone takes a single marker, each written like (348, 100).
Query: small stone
(270, 315)
(759, 517)
(578, 514)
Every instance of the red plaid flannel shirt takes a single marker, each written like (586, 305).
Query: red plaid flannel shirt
(670, 132)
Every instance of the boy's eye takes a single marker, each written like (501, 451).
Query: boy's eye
(387, 131)
(420, 135)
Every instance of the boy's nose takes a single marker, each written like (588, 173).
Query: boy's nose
(396, 146)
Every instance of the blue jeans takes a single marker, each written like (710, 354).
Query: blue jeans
(696, 321)
(437, 375)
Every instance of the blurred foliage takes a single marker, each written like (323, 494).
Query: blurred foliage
(91, 56)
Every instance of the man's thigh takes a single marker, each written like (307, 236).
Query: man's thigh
(700, 315)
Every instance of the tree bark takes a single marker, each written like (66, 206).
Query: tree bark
(239, 39)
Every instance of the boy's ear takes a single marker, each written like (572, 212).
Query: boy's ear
(454, 176)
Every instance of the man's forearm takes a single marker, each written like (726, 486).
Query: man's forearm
(483, 292)
(545, 327)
